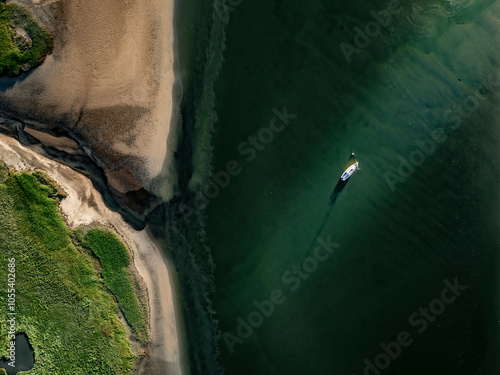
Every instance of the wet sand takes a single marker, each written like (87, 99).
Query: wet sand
(83, 206)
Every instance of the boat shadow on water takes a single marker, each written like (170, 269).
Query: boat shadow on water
(341, 184)
(338, 189)
(333, 197)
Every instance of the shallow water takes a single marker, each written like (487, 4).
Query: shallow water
(430, 74)
(24, 356)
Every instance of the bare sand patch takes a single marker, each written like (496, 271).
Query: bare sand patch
(61, 143)
(109, 81)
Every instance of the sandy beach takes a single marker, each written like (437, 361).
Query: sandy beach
(109, 83)
(84, 206)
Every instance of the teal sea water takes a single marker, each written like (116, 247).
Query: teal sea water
(423, 89)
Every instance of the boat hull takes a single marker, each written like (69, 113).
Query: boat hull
(349, 171)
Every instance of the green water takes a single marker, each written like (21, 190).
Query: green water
(396, 247)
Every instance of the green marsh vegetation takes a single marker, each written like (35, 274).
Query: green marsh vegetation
(114, 258)
(24, 44)
(69, 284)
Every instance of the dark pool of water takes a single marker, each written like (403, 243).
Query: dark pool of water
(24, 357)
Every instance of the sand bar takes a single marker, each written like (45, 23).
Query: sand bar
(109, 81)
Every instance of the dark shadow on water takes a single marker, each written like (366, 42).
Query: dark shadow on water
(333, 198)
(24, 356)
(340, 185)
(338, 189)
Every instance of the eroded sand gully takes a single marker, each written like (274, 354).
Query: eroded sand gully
(84, 205)
(109, 81)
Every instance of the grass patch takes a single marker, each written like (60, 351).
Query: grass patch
(24, 44)
(61, 301)
(114, 258)
(4, 172)
(45, 180)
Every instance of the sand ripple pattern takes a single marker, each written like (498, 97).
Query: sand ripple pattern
(426, 18)
(457, 8)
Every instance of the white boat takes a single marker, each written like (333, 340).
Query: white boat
(349, 171)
